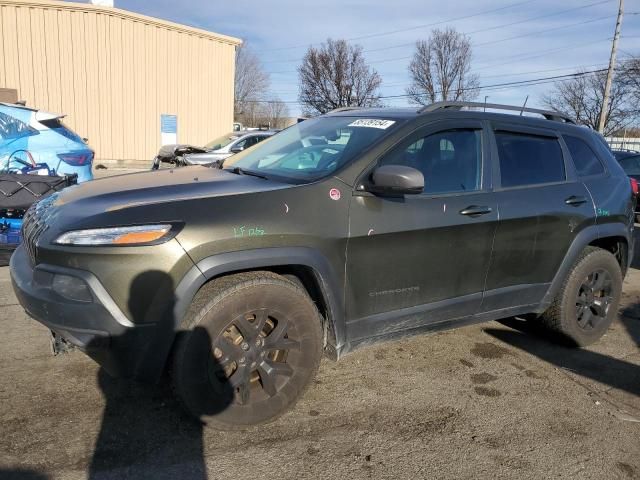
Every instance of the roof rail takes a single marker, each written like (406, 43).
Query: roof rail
(345, 109)
(548, 114)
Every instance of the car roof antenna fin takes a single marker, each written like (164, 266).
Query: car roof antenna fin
(524, 105)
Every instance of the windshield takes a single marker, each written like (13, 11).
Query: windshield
(631, 165)
(221, 142)
(312, 149)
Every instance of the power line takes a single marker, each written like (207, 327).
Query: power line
(406, 84)
(579, 67)
(391, 32)
(544, 31)
(495, 27)
(541, 53)
(520, 56)
(530, 82)
(519, 22)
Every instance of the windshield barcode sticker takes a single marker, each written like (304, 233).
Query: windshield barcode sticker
(372, 123)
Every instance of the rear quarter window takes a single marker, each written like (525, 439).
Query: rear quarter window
(631, 165)
(584, 158)
(527, 159)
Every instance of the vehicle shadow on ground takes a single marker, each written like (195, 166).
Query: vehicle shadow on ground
(533, 339)
(630, 320)
(21, 475)
(144, 431)
(635, 259)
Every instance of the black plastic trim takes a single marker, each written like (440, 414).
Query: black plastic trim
(230, 262)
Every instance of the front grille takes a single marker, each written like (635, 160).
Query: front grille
(35, 223)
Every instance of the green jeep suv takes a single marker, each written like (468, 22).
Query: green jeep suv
(354, 227)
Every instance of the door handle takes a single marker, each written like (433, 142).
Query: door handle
(475, 211)
(575, 200)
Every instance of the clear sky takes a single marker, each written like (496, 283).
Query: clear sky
(512, 40)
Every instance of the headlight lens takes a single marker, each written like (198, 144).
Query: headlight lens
(119, 236)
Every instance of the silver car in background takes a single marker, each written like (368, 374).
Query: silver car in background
(213, 152)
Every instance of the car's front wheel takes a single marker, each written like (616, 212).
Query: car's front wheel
(249, 346)
(588, 301)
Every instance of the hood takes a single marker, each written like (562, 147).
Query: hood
(204, 158)
(170, 151)
(155, 187)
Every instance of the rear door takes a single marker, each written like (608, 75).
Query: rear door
(542, 207)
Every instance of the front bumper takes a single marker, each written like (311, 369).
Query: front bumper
(95, 324)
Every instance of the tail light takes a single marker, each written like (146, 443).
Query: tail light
(634, 186)
(79, 159)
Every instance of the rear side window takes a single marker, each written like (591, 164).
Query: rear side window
(631, 165)
(12, 128)
(584, 158)
(529, 159)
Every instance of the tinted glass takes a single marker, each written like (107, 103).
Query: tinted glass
(620, 154)
(584, 158)
(221, 142)
(631, 165)
(529, 159)
(450, 161)
(12, 128)
(312, 149)
(245, 142)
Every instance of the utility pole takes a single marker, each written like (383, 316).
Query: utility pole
(612, 66)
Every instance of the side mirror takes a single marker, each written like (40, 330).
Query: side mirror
(237, 149)
(397, 180)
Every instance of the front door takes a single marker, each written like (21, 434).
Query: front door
(421, 259)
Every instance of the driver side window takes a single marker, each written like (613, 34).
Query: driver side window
(244, 143)
(450, 160)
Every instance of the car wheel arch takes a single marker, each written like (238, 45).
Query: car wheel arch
(311, 268)
(613, 237)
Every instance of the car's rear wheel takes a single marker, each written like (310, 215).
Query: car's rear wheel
(251, 343)
(588, 300)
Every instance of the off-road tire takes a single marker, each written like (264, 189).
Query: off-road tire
(562, 317)
(198, 379)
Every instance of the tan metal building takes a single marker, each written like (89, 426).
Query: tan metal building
(115, 73)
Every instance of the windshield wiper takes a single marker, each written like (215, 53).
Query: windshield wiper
(242, 171)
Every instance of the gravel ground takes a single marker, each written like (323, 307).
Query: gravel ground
(486, 401)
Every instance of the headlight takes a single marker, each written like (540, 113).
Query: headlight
(119, 236)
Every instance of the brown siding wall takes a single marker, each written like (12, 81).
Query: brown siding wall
(113, 73)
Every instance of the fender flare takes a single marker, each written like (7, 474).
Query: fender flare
(580, 242)
(227, 263)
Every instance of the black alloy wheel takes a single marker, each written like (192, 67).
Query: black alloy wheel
(253, 354)
(593, 300)
(248, 348)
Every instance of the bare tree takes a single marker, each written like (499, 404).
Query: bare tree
(631, 77)
(274, 113)
(336, 75)
(441, 69)
(582, 97)
(251, 84)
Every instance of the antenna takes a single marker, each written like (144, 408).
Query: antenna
(524, 106)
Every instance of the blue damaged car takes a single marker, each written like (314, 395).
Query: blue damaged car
(30, 137)
(38, 155)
